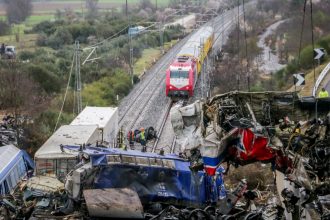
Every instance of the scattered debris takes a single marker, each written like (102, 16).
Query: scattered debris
(277, 127)
(238, 128)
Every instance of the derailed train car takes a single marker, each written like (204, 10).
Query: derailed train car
(115, 183)
(241, 128)
(157, 179)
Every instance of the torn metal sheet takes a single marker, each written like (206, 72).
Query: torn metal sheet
(113, 203)
(45, 184)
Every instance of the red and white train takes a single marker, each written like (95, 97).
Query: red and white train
(182, 74)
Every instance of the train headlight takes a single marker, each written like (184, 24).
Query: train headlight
(187, 87)
(171, 87)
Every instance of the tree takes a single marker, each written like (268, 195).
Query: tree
(18, 10)
(4, 27)
(146, 4)
(91, 6)
(19, 94)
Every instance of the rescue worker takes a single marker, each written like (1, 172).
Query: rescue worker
(130, 137)
(142, 139)
(2, 49)
(221, 190)
(323, 93)
(217, 187)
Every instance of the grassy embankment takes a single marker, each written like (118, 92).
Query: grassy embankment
(95, 93)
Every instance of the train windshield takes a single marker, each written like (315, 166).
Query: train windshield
(179, 74)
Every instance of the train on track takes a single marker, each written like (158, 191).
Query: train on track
(183, 72)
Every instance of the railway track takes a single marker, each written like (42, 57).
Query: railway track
(162, 125)
(140, 96)
(147, 104)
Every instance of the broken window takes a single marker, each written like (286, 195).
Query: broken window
(113, 159)
(156, 162)
(142, 161)
(128, 159)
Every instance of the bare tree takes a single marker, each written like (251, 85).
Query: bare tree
(18, 10)
(19, 95)
(146, 4)
(91, 6)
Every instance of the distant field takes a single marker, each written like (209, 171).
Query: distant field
(27, 41)
(45, 10)
(49, 7)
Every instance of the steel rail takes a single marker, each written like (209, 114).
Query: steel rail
(160, 129)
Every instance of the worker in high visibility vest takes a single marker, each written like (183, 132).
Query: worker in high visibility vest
(323, 93)
(142, 139)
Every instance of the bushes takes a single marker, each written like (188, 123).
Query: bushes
(307, 57)
(61, 37)
(47, 27)
(46, 79)
(4, 28)
(81, 31)
(104, 91)
(26, 55)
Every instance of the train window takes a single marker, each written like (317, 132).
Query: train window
(179, 74)
(156, 162)
(113, 159)
(169, 164)
(128, 159)
(142, 161)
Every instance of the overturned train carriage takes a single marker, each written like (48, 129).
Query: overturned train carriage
(164, 179)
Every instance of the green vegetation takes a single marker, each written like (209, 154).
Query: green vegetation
(44, 44)
(35, 19)
(306, 63)
(104, 91)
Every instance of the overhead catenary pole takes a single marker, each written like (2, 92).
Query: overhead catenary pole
(202, 68)
(161, 37)
(126, 10)
(78, 98)
(131, 57)
(238, 49)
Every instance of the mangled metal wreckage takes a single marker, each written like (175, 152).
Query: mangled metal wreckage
(238, 128)
(278, 127)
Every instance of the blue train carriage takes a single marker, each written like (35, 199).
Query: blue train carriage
(166, 179)
(15, 164)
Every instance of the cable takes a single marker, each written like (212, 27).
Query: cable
(66, 92)
(109, 38)
(302, 32)
(117, 33)
(246, 49)
(238, 57)
(312, 26)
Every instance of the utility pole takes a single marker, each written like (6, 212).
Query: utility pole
(131, 57)
(202, 68)
(161, 37)
(126, 9)
(78, 78)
